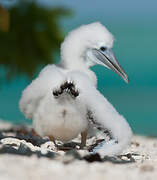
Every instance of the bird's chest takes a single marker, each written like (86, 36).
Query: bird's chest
(62, 120)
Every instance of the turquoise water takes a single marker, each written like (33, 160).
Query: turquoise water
(136, 50)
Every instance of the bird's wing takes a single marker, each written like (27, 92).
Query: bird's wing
(105, 116)
(48, 78)
(108, 118)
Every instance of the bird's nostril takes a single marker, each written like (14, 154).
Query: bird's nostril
(103, 48)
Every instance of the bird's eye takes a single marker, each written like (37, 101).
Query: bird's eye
(103, 48)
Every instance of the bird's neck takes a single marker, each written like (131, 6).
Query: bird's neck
(79, 65)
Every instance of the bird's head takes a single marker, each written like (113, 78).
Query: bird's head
(89, 45)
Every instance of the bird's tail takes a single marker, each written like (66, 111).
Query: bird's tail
(121, 139)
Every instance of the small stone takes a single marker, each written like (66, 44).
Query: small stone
(93, 158)
(10, 141)
(49, 146)
(83, 152)
(73, 153)
(25, 150)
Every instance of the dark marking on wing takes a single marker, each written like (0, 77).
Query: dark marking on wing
(91, 119)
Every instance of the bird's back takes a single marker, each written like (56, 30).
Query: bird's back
(32, 95)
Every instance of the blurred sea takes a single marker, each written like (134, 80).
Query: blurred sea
(135, 48)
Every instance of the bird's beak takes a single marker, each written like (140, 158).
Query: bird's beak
(108, 59)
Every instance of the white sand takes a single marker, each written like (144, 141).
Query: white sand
(143, 150)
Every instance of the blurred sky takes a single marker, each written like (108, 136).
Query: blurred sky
(134, 24)
(121, 9)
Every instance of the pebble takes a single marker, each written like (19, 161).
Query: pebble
(25, 157)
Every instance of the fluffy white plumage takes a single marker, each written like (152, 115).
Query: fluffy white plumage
(65, 116)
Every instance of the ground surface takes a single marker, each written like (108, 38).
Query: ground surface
(24, 156)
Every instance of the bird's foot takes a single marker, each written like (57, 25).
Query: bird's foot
(34, 133)
(66, 87)
(83, 140)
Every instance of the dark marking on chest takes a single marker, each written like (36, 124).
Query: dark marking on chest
(64, 112)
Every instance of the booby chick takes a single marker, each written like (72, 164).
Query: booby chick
(63, 100)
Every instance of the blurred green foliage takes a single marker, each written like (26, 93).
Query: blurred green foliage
(30, 36)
